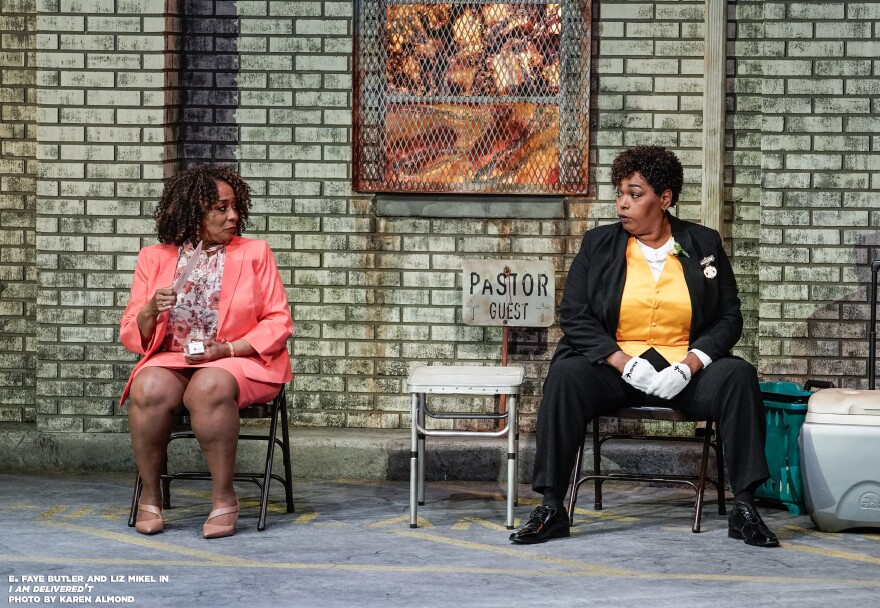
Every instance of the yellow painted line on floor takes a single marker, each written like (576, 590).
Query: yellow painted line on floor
(178, 489)
(465, 523)
(580, 569)
(422, 523)
(210, 559)
(530, 572)
(495, 494)
(611, 572)
(171, 515)
(206, 495)
(834, 535)
(18, 559)
(143, 541)
(492, 525)
(514, 552)
(528, 502)
(785, 534)
(516, 572)
(49, 513)
(816, 533)
(606, 515)
(16, 509)
(99, 561)
(79, 513)
(748, 578)
(848, 555)
(306, 518)
(114, 514)
(254, 503)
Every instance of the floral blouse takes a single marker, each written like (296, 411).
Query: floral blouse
(194, 318)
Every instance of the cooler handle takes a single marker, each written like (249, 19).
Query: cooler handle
(811, 384)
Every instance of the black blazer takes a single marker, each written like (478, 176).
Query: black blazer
(590, 308)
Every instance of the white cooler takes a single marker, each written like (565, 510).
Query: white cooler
(840, 459)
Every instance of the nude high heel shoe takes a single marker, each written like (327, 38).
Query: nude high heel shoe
(210, 530)
(149, 526)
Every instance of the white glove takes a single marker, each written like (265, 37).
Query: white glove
(639, 374)
(670, 381)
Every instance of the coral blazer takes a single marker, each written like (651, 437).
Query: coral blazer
(253, 307)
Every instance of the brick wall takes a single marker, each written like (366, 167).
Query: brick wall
(103, 147)
(209, 71)
(742, 213)
(819, 210)
(374, 295)
(17, 210)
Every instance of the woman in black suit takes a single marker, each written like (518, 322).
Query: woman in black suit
(649, 315)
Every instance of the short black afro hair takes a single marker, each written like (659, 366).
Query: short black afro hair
(657, 165)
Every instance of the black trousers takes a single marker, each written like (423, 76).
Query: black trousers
(575, 391)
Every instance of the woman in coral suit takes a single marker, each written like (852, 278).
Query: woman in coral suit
(209, 315)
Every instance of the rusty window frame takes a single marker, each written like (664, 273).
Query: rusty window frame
(377, 169)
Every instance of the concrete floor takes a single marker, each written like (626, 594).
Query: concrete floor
(349, 544)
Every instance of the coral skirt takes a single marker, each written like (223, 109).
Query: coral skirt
(249, 391)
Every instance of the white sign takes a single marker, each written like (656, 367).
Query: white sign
(519, 293)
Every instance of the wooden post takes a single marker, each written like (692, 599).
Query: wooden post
(505, 336)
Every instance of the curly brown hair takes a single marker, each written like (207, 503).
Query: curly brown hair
(660, 168)
(190, 194)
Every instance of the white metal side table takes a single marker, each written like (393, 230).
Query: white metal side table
(461, 380)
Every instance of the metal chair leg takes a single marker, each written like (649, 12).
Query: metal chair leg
(701, 484)
(285, 455)
(166, 484)
(719, 458)
(267, 469)
(135, 499)
(575, 484)
(421, 448)
(413, 462)
(597, 466)
(511, 459)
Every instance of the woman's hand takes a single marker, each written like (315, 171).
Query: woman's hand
(213, 350)
(639, 374)
(670, 381)
(218, 350)
(164, 299)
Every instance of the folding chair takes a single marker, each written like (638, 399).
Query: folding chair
(276, 412)
(697, 482)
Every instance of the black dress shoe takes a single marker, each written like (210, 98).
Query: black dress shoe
(544, 523)
(746, 524)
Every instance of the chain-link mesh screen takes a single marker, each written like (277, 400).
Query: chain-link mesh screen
(465, 96)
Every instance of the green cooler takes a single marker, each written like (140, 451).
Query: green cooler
(785, 404)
